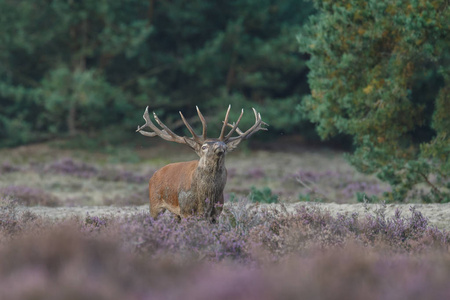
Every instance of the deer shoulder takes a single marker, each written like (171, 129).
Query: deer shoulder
(195, 187)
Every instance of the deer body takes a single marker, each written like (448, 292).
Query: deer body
(194, 187)
(198, 190)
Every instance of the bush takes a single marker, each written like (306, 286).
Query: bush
(263, 196)
(29, 196)
(12, 222)
(68, 166)
(254, 252)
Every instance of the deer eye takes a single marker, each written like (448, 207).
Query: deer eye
(204, 147)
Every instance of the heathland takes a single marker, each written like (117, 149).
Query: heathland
(297, 222)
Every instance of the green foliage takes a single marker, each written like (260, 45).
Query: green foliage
(69, 67)
(233, 198)
(54, 64)
(379, 72)
(262, 196)
(308, 197)
(363, 198)
(304, 197)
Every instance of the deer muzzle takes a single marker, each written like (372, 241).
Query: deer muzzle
(220, 148)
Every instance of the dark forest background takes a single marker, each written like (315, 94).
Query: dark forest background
(72, 67)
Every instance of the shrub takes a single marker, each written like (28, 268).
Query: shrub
(191, 238)
(6, 167)
(263, 196)
(9, 222)
(254, 252)
(335, 186)
(64, 264)
(310, 227)
(67, 166)
(30, 196)
(309, 197)
(12, 222)
(256, 173)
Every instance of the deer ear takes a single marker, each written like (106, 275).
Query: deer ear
(193, 144)
(233, 145)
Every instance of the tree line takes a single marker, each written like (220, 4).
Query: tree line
(79, 66)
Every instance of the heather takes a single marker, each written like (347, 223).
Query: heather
(277, 250)
(252, 253)
(29, 196)
(67, 181)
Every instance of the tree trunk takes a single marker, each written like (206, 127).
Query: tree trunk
(71, 117)
(151, 10)
(78, 32)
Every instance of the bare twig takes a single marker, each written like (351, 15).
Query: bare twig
(314, 190)
(433, 187)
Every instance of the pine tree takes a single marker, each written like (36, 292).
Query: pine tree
(380, 72)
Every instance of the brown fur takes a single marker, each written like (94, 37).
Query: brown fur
(165, 185)
(191, 188)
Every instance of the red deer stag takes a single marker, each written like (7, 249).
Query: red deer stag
(195, 187)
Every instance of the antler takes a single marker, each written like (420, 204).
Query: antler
(247, 134)
(225, 124)
(168, 134)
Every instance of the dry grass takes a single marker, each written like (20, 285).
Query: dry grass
(83, 178)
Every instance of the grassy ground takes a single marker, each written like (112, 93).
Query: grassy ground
(80, 178)
(107, 182)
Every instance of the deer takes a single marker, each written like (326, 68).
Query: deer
(195, 188)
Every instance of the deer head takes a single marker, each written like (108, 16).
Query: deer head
(195, 187)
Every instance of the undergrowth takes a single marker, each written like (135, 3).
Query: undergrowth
(253, 252)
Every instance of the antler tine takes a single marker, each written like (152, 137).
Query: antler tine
(225, 122)
(202, 119)
(166, 129)
(165, 134)
(194, 135)
(257, 126)
(148, 123)
(146, 133)
(234, 127)
(252, 130)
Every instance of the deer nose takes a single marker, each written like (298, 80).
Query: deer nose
(220, 147)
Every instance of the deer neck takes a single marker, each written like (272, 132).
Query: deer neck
(208, 184)
(210, 177)
(211, 165)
